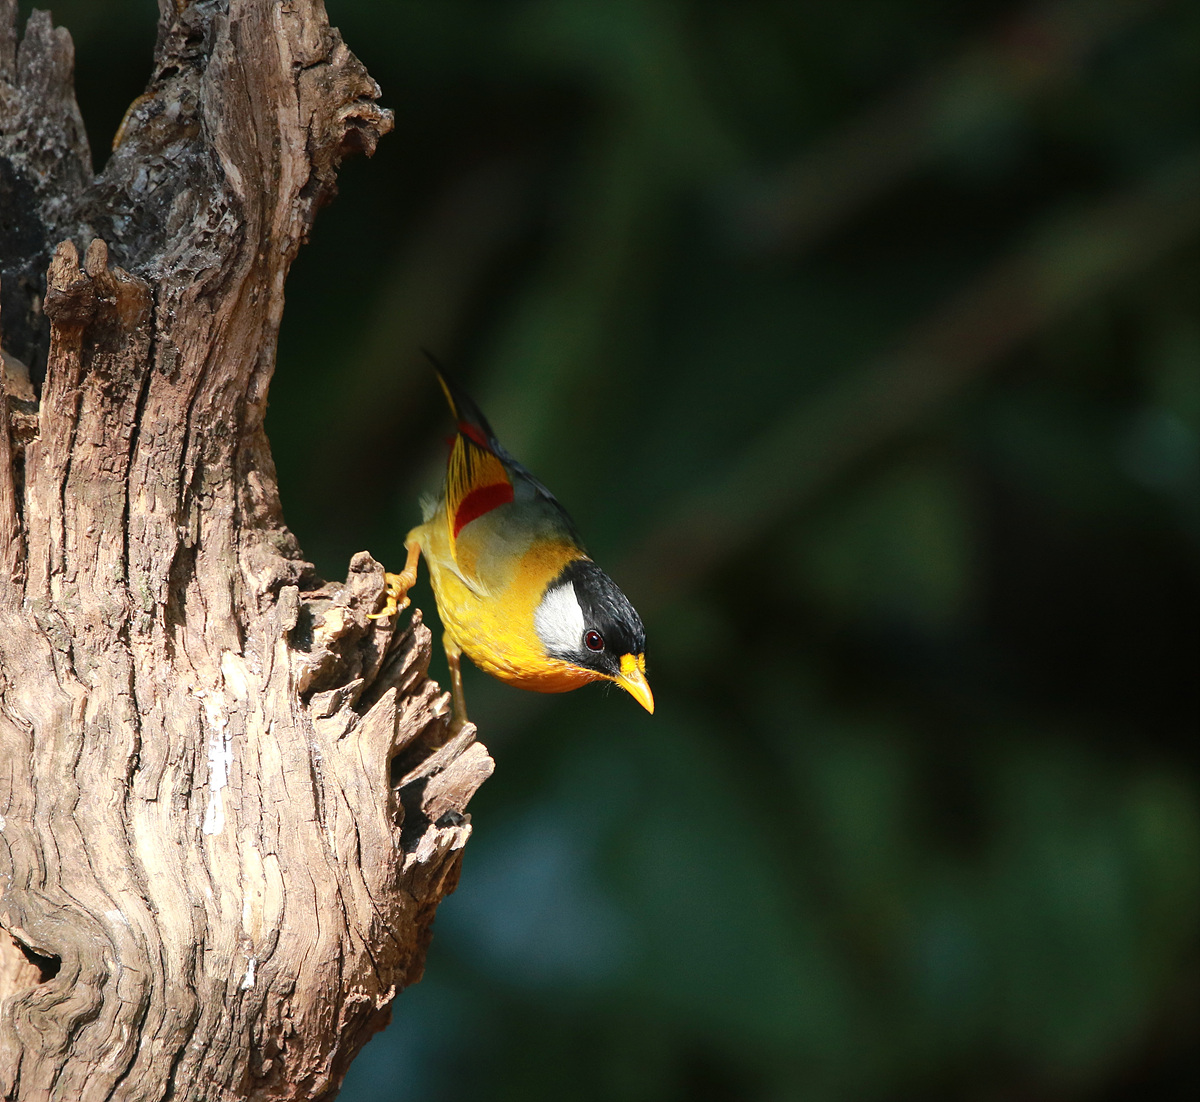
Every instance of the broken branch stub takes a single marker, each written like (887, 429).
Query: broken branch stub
(229, 803)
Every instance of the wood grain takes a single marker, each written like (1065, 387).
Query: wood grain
(229, 804)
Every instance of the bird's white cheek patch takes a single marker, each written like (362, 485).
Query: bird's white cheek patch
(559, 620)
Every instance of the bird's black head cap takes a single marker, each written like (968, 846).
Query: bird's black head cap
(612, 627)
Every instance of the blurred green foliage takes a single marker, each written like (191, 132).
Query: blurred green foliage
(862, 342)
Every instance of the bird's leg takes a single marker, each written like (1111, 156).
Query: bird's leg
(454, 658)
(398, 585)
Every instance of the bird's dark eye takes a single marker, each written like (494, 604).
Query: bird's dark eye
(593, 640)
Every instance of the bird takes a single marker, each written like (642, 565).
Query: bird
(515, 589)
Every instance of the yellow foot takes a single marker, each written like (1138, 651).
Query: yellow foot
(397, 596)
(398, 585)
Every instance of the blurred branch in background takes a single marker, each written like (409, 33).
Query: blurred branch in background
(1076, 258)
(1020, 59)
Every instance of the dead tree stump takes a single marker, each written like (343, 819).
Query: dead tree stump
(228, 806)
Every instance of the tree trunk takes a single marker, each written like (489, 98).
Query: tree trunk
(228, 806)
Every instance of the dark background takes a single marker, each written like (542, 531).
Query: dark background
(863, 342)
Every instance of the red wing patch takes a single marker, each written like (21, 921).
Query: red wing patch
(476, 483)
(482, 499)
(475, 434)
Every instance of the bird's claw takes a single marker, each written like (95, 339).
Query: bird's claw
(398, 586)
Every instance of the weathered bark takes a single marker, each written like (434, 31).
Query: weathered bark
(228, 806)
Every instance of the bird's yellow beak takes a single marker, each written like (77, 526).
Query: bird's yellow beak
(632, 679)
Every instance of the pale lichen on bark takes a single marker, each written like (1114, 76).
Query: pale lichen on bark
(229, 802)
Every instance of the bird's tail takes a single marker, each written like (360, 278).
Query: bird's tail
(469, 470)
(468, 416)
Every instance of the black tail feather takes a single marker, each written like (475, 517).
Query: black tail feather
(462, 406)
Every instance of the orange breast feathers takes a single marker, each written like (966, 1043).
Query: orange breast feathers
(487, 598)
